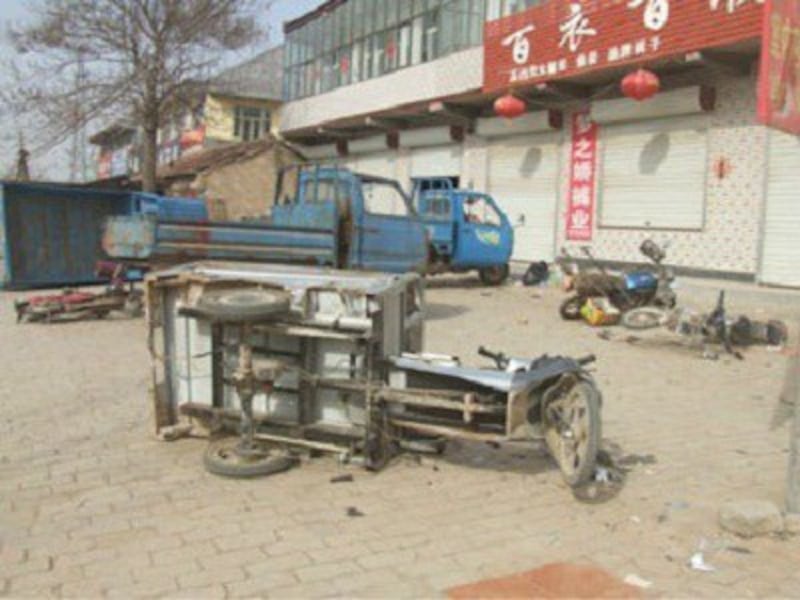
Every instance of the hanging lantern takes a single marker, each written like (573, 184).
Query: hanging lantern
(509, 106)
(641, 85)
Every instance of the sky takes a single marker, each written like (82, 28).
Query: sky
(54, 164)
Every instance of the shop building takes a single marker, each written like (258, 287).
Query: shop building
(584, 165)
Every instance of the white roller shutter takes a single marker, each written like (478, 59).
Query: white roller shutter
(436, 161)
(380, 164)
(653, 174)
(523, 175)
(780, 262)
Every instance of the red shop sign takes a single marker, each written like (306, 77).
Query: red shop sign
(561, 38)
(779, 84)
(582, 176)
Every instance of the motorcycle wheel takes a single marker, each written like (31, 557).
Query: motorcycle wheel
(646, 317)
(570, 309)
(572, 431)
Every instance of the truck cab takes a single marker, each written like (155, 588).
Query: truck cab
(376, 227)
(467, 230)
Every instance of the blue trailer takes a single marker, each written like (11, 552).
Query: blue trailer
(50, 235)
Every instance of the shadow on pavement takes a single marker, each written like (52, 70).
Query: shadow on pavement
(440, 312)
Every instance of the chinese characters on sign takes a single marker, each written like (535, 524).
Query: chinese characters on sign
(779, 86)
(580, 205)
(557, 39)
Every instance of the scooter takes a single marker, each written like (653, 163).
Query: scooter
(627, 290)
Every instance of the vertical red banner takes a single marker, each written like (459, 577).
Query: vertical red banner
(582, 176)
(779, 84)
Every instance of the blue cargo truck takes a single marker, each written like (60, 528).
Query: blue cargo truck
(327, 216)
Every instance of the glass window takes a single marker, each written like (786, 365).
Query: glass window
(478, 211)
(250, 123)
(438, 207)
(430, 46)
(404, 45)
(384, 199)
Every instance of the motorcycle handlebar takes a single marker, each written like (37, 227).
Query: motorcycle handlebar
(586, 360)
(488, 353)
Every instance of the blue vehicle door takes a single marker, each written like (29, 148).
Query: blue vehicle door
(314, 204)
(485, 237)
(391, 237)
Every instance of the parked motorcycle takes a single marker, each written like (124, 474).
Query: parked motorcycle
(627, 290)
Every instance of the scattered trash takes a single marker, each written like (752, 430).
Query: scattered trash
(601, 475)
(739, 550)
(637, 581)
(352, 511)
(175, 432)
(635, 519)
(710, 355)
(538, 272)
(486, 294)
(632, 460)
(697, 562)
(346, 478)
(632, 339)
(605, 334)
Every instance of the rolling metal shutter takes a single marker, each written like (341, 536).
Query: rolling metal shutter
(523, 175)
(653, 174)
(380, 164)
(780, 260)
(436, 161)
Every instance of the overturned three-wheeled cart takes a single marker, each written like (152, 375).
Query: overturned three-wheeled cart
(297, 358)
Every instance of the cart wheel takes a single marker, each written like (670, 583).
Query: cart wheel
(644, 318)
(570, 309)
(245, 305)
(493, 275)
(572, 431)
(223, 458)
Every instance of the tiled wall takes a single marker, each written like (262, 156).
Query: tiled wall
(730, 240)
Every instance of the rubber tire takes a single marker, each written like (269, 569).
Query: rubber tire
(587, 470)
(244, 305)
(493, 276)
(268, 466)
(570, 309)
(643, 318)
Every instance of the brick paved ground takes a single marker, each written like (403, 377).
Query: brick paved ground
(91, 504)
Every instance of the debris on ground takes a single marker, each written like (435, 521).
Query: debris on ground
(346, 478)
(698, 563)
(635, 580)
(352, 511)
(750, 518)
(175, 432)
(791, 523)
(538, 272)
(605, 334)
(557, 580)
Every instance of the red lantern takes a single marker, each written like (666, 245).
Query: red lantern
(509, 106)
(641, 85)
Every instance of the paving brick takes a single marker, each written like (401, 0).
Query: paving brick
(211, 576)
(315, 573)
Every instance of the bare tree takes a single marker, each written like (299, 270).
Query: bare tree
(137, 58)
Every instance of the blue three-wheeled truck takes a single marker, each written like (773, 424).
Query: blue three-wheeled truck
(334, 217)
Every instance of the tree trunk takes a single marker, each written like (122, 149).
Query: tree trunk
(149, 159)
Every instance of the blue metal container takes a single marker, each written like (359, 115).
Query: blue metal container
(50, 235)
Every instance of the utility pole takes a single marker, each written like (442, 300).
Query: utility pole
(792, 396)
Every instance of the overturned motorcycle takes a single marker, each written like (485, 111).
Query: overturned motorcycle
(72, 305)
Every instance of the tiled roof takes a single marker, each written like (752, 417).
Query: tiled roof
(260, 77)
